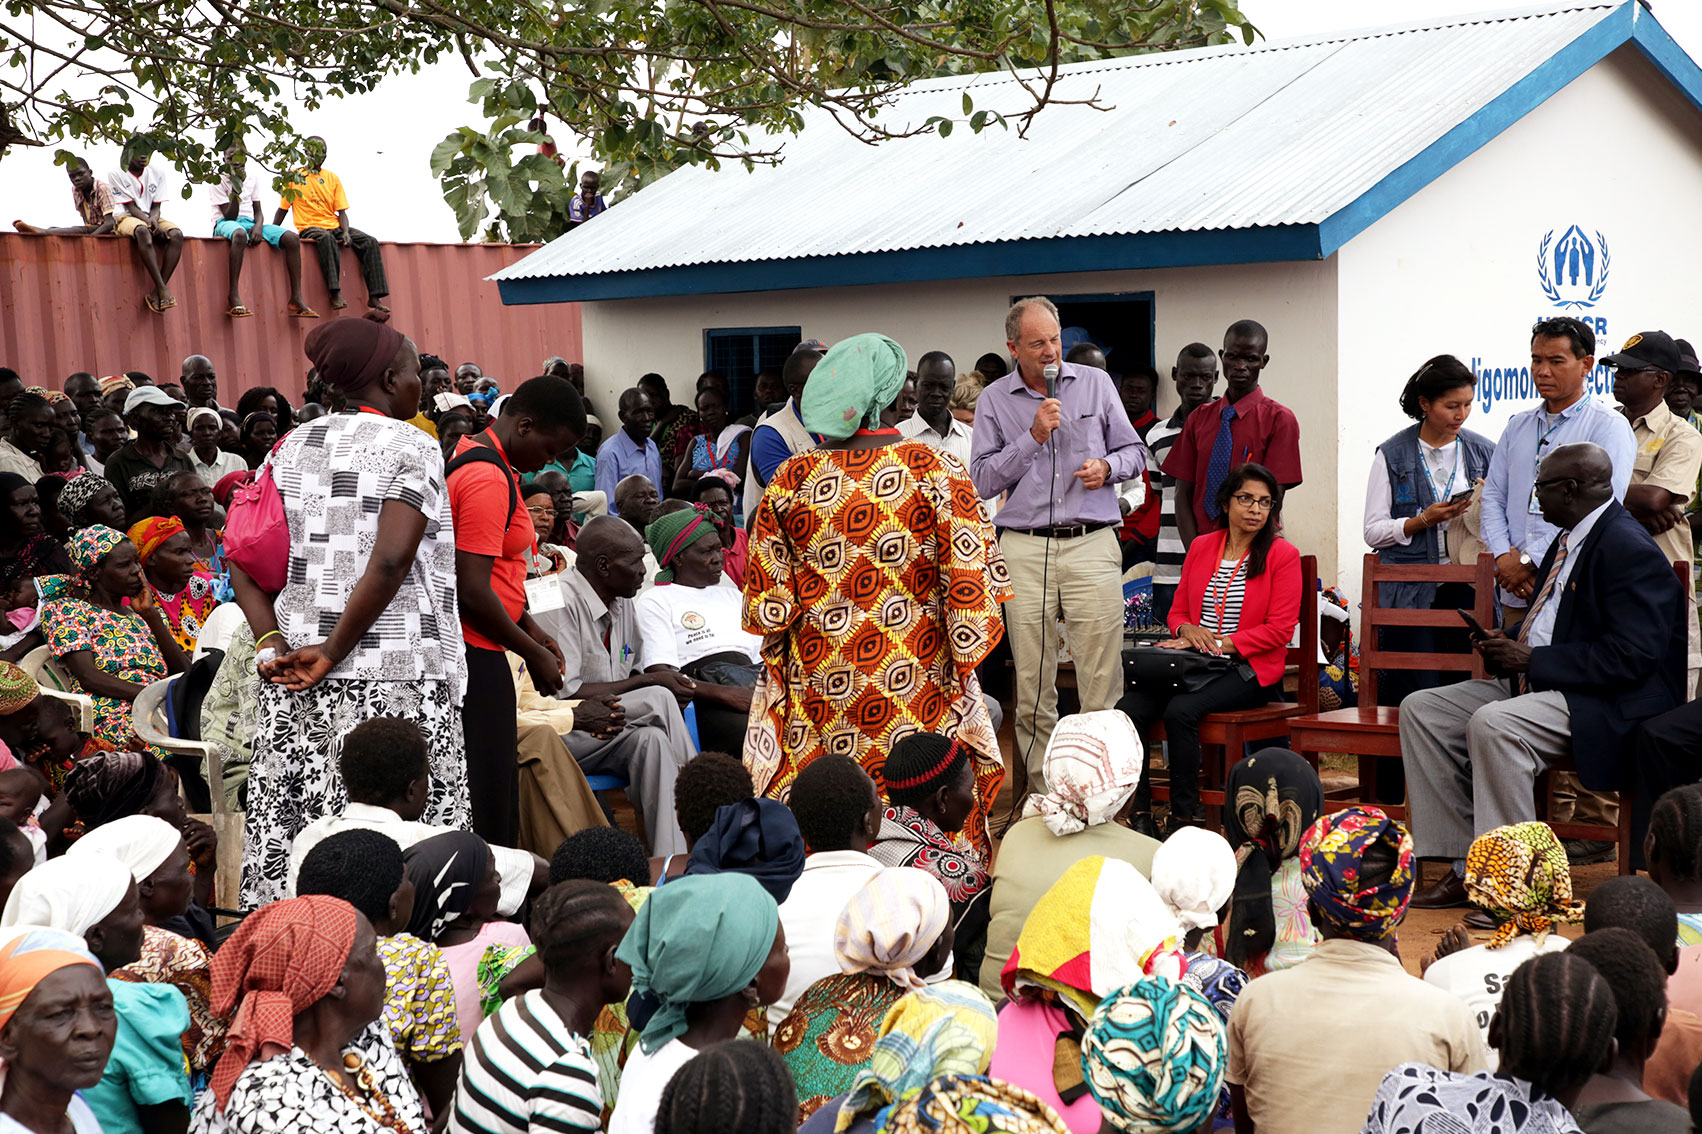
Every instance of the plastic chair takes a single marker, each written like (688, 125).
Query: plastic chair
(218, 628)
(151, 720)
(55, 681)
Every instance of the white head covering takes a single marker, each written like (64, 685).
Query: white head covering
(1194, 873)
(892, 923)
(1093, 765)
(141, 842)
(70, 894)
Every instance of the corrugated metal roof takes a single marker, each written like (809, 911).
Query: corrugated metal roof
(70, 303)
(1285, 133)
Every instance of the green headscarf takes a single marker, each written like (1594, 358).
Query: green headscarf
(671, 534)
(699, 938)
(857, 379)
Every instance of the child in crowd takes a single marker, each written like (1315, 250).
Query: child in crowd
(706, 783)
(1613, 1100)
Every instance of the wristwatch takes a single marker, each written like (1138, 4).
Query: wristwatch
(1525, 558)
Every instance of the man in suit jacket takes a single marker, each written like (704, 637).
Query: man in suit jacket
(1602, 648)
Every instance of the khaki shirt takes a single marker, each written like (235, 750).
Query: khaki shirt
(1669, 456)
(1311, 1044)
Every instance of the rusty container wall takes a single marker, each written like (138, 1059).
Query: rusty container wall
(70, 303)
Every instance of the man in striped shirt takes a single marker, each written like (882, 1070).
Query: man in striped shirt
(529, 1066)
(1195, 375)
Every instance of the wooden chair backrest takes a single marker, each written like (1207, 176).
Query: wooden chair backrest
(1305, 655)
(1372, 657)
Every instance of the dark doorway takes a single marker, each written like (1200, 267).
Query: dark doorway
(1118, 323)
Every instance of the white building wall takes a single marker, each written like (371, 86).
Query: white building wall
(965, 318)
(1455, 269)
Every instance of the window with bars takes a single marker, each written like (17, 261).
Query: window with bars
(740, 353)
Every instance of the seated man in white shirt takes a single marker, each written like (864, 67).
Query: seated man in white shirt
(386, 772)
(838, 809)
(933, 423)
(238, 190)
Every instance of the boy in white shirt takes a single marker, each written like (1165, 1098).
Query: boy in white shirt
(137, 191)
(236, 189)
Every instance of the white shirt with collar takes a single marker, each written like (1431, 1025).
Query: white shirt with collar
(955, 440)
(809, 915)
(513, 867)
(1542, 622)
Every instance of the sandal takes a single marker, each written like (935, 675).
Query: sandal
(152, 306)
(239, 312)
(169, 304)
(302, 312)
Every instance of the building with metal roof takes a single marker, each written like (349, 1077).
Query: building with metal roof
(1374, 198)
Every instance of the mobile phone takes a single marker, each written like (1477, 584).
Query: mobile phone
(1459, 497)
(1476, 627)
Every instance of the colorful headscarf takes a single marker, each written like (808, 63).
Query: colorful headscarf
(110, 785)
(891, 923)
(1154, 1056)
(1521, 870)
(77, 493)
(281, 960)
(352, 353)
(141, 842)
(148, 534)
(32, 955)
(1100, 927)
(54, 397)
(90, 545)
(111, 382)
(671, 534)
(1094, 762)
(699, 938)
(1330, 858)
(1217, 980)
(755, 837)
(855, 380)
(68, 894)
(17, 689)
(942, 1029)
(1274, 797)
(446, 869)
(1194, 873)
(972, 1104)
(227, 486)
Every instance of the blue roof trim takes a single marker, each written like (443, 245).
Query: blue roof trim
(1668, 57)
(971, 261)
(1518, 100)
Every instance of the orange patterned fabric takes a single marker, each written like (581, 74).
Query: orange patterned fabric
(875, 579)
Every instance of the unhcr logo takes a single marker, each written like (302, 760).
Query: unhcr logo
(1572, 270)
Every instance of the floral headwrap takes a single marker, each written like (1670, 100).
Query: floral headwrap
(944, 1029)
(1522, 870)
(90, 545)
(1154, 1057)
(17, 689)
(1330, 858)
(150, 533)
(972, 1104)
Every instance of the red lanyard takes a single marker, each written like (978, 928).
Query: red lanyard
(1223, 597)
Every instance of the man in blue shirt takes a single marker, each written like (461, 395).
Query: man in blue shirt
(1563, 353)
(630, 452)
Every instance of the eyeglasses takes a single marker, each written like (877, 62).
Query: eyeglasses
(1256, 503)
(1554, 480)
(540, 510)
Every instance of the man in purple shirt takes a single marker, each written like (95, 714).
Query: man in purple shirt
(1058, 459)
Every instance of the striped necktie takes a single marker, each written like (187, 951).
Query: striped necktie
(1522, 685)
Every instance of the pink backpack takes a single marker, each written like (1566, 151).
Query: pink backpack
(257, 534)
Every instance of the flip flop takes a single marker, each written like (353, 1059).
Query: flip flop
(378, 307)
(239, 312)
(152, 306)
(169, 304)
(302, 312)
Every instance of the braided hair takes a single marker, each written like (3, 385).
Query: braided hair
(573, 919)
(1557, 1021)
(733, 1086)
(1634, 973)
(920, 765)
(601, 854)
(1676, 823)
(25, 402)
(362, 867)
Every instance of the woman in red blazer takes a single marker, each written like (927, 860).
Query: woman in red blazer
(1239, 597)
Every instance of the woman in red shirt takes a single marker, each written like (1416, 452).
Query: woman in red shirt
(1239, 598)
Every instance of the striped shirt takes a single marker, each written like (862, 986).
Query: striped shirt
(1228, 586)
(524, 1070)
(1171, 551)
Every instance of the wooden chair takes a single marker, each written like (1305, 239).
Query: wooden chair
(1620, 834)
(1371, 731)
(1224, 736)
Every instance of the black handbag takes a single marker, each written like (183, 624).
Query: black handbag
(1176, 671)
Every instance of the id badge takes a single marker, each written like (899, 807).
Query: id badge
(1534, 508)
(544, 595)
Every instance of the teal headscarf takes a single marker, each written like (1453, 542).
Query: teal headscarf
(671, 534)
(857, 379)
(699, 938)
(1154, 1057)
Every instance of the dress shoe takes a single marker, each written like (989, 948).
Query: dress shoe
(1141, 823)
(1588, 852)
(1448, 894)
(1483, 921)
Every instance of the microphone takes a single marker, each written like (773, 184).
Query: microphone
(1050, 371)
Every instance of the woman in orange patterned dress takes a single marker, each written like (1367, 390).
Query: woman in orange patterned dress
(875, 580)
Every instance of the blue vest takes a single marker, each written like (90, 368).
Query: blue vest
(1409, 494)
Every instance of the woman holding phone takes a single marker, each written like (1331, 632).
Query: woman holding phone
(1422, 479)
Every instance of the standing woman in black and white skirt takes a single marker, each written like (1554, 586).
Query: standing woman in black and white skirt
(366, 624)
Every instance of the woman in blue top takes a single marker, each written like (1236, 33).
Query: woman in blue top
(1422, 480)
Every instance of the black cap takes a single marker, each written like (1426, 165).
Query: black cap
(1688, 363)
(1650, 350)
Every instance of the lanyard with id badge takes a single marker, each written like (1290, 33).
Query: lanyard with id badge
(544, 594)
(1565, 415)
